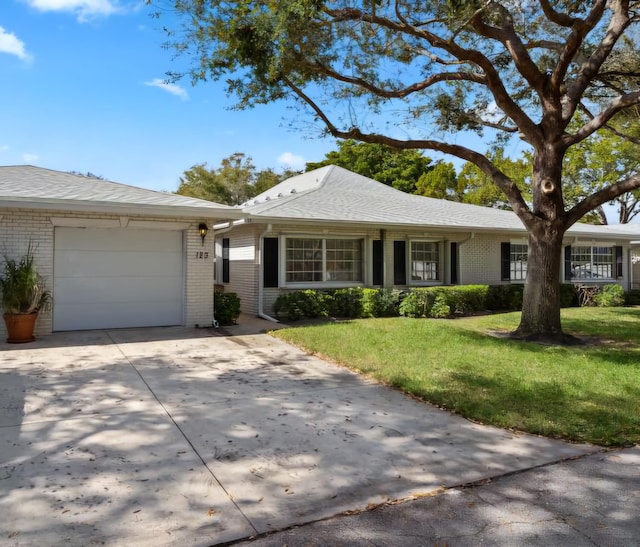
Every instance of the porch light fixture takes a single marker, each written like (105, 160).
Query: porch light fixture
(202, 230)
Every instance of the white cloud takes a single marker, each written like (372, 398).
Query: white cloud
(10, 43)
(29, 158)
(169, 88)
(291, 160)
(83, 9)
(4, 148)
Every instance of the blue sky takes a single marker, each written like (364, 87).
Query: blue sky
(82, 90)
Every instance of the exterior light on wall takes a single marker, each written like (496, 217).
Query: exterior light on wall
(202, 230)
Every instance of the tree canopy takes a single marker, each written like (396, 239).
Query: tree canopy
(393, 167)
(233, 183)
(426, 75)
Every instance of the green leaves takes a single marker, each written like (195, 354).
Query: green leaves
(233, 183)
(400, 169)
(22, 289)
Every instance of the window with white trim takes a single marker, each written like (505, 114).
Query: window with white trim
(319, 260)
(425, 261)
(518, 255)
(592, 263)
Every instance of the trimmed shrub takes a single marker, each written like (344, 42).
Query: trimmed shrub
(380, 302)
(464, 299)
(418, 303)
(632, 298)
(346, 303)
(610, 296)
(226, 307)
(440, 308)
(504, 297)
(297, 304)
(568, 296)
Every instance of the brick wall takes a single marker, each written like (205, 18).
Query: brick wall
(18, 227)
(198, 277)
(480, 261)
(243, 265)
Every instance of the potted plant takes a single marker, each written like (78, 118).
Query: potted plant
(22, 295)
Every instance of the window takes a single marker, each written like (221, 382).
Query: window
(592, 262)
(513, 258)
(323, 260)
(518, 262)
(425, 261)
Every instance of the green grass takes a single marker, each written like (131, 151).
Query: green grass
(587, 393)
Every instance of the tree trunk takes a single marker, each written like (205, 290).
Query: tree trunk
(540, 318)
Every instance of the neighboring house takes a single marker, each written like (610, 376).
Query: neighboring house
(113, 255)
(332, 228)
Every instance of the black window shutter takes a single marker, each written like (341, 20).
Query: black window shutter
(618, 261)
(377, 261)
(270, 262)
(505, 261)
(225, 260)
(399, 262)
(454, 263)
(567, 263)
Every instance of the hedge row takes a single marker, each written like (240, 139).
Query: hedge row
(422, 302)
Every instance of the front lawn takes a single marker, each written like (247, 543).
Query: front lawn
(587, 393)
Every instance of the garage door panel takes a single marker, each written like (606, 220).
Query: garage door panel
(113, 264)
(111, 239)
(109, 315)
(117, 278)
(99, 290)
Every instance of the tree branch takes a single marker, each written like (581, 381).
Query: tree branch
(600, 198)
(618, 24)
(493, 81)
(507, 36)
(404, 92)
(556, 17)
(573, 42)
(503, 182)
(599, 121)
(608, 127)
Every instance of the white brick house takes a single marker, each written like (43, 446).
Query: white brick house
(113, 255)
(331, 228)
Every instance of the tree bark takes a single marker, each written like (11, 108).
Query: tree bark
(540, 319)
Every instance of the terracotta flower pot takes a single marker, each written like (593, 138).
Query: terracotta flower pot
(20, 327)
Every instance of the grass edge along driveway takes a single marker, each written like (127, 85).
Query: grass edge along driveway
(587, 393)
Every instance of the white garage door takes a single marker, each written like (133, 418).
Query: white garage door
(116, 278)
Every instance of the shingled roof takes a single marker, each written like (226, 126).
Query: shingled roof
(26, 186)
(334, 194)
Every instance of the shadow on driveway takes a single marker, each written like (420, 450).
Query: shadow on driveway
(161, 436)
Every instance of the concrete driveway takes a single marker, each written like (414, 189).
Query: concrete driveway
(174, 436)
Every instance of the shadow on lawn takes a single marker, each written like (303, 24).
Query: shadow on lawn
(546, 407)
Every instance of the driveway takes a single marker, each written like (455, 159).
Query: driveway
(174, 436)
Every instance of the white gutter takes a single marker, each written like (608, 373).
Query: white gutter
(261, 313)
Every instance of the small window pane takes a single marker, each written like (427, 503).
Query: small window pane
(424, 261)
(592, 263)
(304, 260)
(518, 262)
(344, 260)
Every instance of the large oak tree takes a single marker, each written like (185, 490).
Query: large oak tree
(424, 74)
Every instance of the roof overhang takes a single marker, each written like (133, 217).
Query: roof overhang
(580, 235)
(165, 211)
